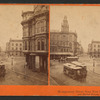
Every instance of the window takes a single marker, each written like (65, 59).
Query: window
(94, 50)
(57, 36)
(37, 30)
(40, 26)
(29, 45)
(70, 44)
(64, 43)
(16, 48)
(98, 45)
(38, 45)
(20, 44)
(30, 30)
(42, 45)
(25, 45)
(42, 29)
(12, 48)
(12, 44)
(70, 38)
(25, 30)
(16, 44)
(20, 48)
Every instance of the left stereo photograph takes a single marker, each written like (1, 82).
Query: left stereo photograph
(24, 43)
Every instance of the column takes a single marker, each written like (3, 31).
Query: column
(33, 63)
(45, 64)
(41, 63)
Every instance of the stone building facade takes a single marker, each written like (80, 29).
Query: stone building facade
(79, 49)
(35, 37)
(63, 43)
(14, 47)
(94, 49)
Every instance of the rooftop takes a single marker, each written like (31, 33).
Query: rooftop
(71, 66)
(95, 41)
(15, 40)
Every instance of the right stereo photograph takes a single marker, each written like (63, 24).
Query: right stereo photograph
(75, 45)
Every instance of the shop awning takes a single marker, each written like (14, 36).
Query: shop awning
(61, 53)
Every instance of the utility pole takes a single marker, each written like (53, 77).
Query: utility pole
(93, 64)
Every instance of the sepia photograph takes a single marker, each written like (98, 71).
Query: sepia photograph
(24, 31)
(75, 45)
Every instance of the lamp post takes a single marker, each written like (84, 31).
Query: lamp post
(93, 64)
(12, 60)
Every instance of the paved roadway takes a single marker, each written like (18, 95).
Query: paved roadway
(16, 74)
(57, 77)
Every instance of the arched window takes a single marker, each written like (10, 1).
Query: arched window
(70, 44)
(42, 45)
(38, 45)
(41, 26)
(38, 24)
(38, 27)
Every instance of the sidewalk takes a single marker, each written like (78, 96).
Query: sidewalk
(89, 63)
(52, 81)
(18, 67)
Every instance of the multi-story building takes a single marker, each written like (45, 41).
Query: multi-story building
(14, 47)
(79, 49)
(35, 37)
(94, 49)
(63, 43)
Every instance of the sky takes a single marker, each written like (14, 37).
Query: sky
(10, 22)
(85, 20)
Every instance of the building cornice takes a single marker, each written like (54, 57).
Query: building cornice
(34, 16)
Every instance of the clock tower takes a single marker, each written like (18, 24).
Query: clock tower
(65, 25)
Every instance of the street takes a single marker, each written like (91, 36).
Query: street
(57, 77)
(18, 74)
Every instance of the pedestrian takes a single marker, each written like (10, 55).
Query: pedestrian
(93, 63)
